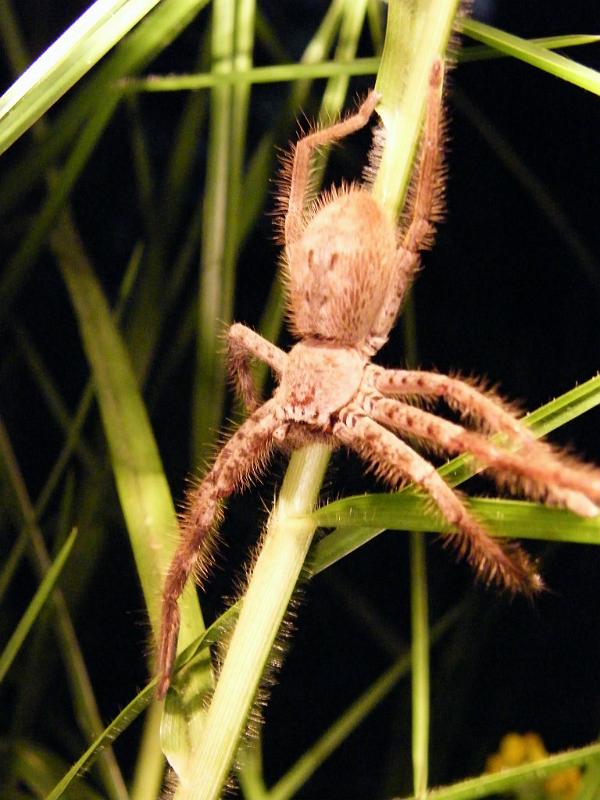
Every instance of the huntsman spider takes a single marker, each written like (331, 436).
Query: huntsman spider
(346, 270)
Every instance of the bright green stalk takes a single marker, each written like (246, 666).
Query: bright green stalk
(264, 605)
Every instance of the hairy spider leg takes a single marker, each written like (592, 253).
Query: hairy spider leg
(300, 174)
(424, 207)
(242, 456)
(471, 402)
(539, 473)
(395, 462)
(244, 344)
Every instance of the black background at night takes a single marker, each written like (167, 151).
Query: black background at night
(504, 294)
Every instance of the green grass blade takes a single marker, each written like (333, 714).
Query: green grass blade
(65, 62)
(415, 39)
(485, 53)
(215, 298)
(23, 260)
(407, 511)
(512, 777)
(84, 701)
(148, 39)
(131, 711)
(419, 609)
(141, 484)
(35, 606)
(530, 52)
(590, 786)
(36, 769)
(263, 607)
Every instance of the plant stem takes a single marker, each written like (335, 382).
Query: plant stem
(272, 583)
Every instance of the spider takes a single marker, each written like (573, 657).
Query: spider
(346, 270)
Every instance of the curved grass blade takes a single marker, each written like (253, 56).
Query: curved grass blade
(141, 483)
(530, 52)
(35, 606)
(149, 38)
(65, 62)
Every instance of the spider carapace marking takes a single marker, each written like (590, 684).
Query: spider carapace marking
(346, 270)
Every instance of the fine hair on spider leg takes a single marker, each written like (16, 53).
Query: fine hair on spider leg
(346, 269)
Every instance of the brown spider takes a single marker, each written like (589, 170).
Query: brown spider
(347, 270)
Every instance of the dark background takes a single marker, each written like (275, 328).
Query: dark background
(504, 294)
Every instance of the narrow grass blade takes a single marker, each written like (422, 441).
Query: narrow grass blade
(35, 606)
(65, 62)
(149, 38)
(187, 658)
(419, 611)
(36, 769)
(407, 511)
(23, 260)
(590, 787)
(289, 784)
(512, 777)
(532, 53)
(220, 209)
(485, 53)
(263, 607)
(84, 701)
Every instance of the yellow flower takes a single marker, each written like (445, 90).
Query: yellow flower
(516, 749)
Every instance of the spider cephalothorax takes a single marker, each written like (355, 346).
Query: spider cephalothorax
(346, 272)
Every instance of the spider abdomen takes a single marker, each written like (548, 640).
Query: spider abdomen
(337, 283)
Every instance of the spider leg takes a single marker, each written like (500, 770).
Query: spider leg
(470, 401)
(424, 207)
(539, 472)
(394, 461)
(244, 454)
(300, 172)
(243, 344)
